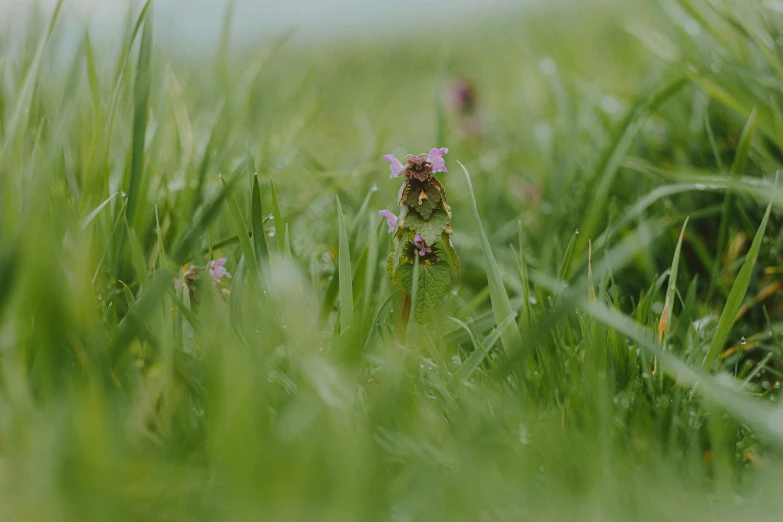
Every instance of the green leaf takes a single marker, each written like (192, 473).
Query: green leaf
(737, 294)
(434, 282)
(425, 207)
(450, 252)
(430, 229)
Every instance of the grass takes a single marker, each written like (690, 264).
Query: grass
(613, 349)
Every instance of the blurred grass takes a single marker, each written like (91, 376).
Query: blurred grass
(598, 131)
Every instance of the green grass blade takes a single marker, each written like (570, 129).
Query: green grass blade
(344, 273)
(280, 226)
(244, 240)
(562, 273)
(743, 146)
(141, 97)
(88, 219)
(737, 294)
(612, 158)
(257, 219)
(480, 351)
(668, 303)
(501, 305)
(191, 237)
(12, 127)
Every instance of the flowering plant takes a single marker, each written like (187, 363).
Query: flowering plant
(422, 232)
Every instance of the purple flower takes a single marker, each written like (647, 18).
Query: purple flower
(463, 96)
(396, 166)
(436, 159)
(423, 248)
(391, 219)
(176, 283)
(217, 271)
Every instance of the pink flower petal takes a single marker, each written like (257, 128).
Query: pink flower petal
(435, 157)
(391, 219)
(396, 167)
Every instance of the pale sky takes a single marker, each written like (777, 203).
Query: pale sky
(198, 22)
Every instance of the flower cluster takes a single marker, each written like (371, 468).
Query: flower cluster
(216, 270)
(422, 230)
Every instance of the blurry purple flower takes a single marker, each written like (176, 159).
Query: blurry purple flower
(176, 283)
(391, 219)
(462, 96)
(423, 248)
(217, 271)
(396, 166)
(436, 159)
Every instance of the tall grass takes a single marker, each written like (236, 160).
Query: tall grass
(598, 359)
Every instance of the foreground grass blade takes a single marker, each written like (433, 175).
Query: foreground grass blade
(344, 274)
(737, 294)
(767, 420)
(501, 305)
(24, 97)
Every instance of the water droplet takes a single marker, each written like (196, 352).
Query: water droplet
(577, 232)
(533, 300)
(421, 366)
(374, 188)
(524, 437)
(743, 340)
(645, 375)
(548, 66)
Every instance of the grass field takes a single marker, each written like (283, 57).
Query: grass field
(612, 349)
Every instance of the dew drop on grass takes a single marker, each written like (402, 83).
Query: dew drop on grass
(577, 232)
(524, 437)
(548, 66)
(743, 340)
